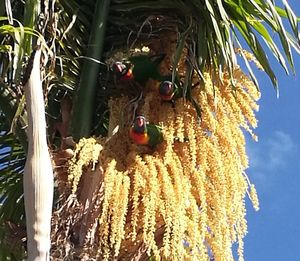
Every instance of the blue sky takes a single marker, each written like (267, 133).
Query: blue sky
(274, 231)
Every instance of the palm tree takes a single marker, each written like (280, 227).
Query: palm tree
(115, 199)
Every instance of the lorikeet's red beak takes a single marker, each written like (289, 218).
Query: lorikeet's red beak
(140, 121)
(119, 67)
(123, 71)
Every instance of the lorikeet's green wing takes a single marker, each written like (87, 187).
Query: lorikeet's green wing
(155, 134)
(145, 67)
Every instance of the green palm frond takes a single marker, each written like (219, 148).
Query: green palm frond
(212, 31)
(16, 42)
(9, 105)
(12, 66)
(12, 160)
(218, 28)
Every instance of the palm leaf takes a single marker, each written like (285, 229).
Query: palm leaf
(12, 160)
(219, 18)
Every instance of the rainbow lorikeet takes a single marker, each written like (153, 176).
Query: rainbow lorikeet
(169, 91)
(139, 68)
(143, 133)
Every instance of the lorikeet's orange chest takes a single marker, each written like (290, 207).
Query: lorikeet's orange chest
(128, 75)
(123, 71)
(139, 138)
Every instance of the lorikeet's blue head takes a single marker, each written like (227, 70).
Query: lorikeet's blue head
(139, 132)
(143, 133)
(123, 70)
(166, 90)
(139, 124)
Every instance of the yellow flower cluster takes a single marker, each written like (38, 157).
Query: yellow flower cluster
(250, 57)
(86, 153)
(184, 200)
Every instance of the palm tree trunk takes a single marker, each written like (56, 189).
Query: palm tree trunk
(38, 173)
